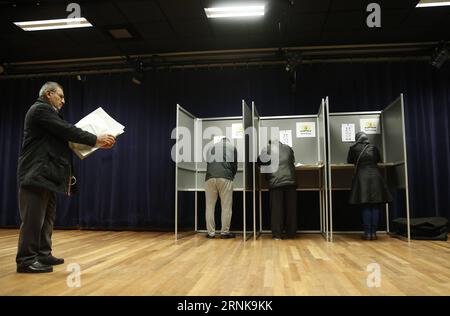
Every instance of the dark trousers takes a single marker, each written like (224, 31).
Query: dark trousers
(283, 207)
(37, 212)
(371, 216)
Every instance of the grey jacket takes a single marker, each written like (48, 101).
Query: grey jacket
(221, 161)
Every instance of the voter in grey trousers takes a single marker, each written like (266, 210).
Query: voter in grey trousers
(221, 168)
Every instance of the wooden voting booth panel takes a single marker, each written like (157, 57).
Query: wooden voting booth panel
(309, 178)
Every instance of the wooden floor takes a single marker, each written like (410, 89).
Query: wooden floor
(146, 263)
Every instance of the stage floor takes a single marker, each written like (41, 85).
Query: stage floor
(150, 263)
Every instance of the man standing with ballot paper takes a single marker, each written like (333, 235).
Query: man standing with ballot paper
(44, 169)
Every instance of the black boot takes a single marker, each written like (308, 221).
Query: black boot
(373, 233)
(366, 235)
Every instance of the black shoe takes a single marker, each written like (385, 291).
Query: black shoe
(227, 235)
(373, 237)
(210, 236)
(36, 267)
(51, 261)
(366, 237)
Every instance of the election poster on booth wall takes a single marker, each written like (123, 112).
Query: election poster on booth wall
(306, 129)
(348, 133)
(286, 137)
(370, 126)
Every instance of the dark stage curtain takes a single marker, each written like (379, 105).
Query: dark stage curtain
(132, 185)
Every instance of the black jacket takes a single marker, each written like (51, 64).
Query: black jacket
(227, 167)
(368, 184)
(46, 159)
(285, 174)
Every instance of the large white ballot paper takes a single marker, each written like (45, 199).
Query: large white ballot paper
(97, 122)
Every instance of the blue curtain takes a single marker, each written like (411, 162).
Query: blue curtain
(132, 185)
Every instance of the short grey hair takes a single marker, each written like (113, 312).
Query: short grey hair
(49, 86)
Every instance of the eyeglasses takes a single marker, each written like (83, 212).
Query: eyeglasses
(59, 95)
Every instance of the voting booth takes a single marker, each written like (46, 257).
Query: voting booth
(386, 130)
(306, 134)
(194, 136)
(320, 143)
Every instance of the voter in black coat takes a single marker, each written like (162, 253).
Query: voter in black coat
(280, 162)
(44, 169)
(369, 189)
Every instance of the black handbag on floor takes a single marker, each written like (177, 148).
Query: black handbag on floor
(424, 228)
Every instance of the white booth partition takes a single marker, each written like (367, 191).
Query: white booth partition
(190, 169)
(386, 130)
(306, 135)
